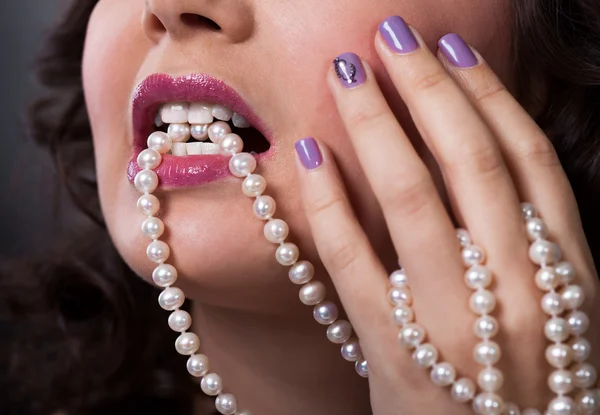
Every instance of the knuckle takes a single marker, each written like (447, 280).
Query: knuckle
(475, 159)
(364, 115)
(488, 90)
(341, 254)
(538, 150)
(424, 82)
(324, 202)
(407, 197)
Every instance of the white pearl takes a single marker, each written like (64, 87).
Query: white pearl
(552, 303)
(511, 409)
(276, 231)
(231, 144)
(197, 365)
(588, 402)
(482, 302)
(160, 142)
(264, 207)
(585, 375)
(562, 405)
(164, 275)
(312, 293)
(487, 353)
(199, 131)
(488, 403)
(179, 133)
(536, 229)
(287, 254)
(464, 239)
(425, 355)
(557, 329)
(463, 390)
(411, 335)
(581, 349)
(485, 327)
(187, 344)
(218, 130)
(171, 298)
(152, 227)
(473, 255)
(400, 295)
(443, 374)
(546, 279)
(490, 379)
(242, 164)
(301, 272)
(351, 350)
(403, 314)
(226, 404)
(148, 205)
(149, 159)
(158, 251)
(325, 312)
(528, 211)
(579, 322)
(398, 278)
(254, 185)
(362, 367)
(561, 381)
(559, 355)
(573, 296)
(478, 276)
(339, 332)
(544, 252)
(146, 181)
(211, 384)
(566, 272)
(180, 320)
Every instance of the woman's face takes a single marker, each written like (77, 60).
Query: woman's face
(275, 55)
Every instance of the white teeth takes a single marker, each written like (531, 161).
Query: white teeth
(179, 149)
(221, 113)
(194, 148)
(199, 131)
(210, 148)
(239, 121)
(175, 112)
(200, 113)
(179, 133)
(157, 120)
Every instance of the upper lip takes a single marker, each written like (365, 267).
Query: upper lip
(160, 88)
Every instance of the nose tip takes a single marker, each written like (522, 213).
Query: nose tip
(180, 19)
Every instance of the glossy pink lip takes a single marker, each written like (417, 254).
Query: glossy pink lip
(189, 170)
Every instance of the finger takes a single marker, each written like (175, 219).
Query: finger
(529, 154)
(462, 144)
(359, 277)
(419, 225)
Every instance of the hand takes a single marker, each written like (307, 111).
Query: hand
(492, 156)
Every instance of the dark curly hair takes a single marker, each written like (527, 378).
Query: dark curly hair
(80, 341)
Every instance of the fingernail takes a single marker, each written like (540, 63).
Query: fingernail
(457, 51)
(309, 153)
(398, 35)
(349, 69)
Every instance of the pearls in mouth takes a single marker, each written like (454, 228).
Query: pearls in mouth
(160, 142)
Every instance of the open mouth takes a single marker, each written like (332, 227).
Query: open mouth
(195, 121)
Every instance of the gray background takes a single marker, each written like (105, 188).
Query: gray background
(27, 176)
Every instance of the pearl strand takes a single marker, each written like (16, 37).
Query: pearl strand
(165, 275)
(312, 292)
(478, 277)
(413, 335)
(551, 276)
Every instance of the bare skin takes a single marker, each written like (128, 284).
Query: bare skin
(278, 55)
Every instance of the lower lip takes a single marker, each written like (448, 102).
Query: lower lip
(186, 171)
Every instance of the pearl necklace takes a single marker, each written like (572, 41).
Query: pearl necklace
(412, 335)
(311, 293)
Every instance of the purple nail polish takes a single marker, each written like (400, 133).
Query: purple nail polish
(309, 153)
(457, 51)
(349, 69)
(398, 35)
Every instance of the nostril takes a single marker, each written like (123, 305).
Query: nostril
(199, 21)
